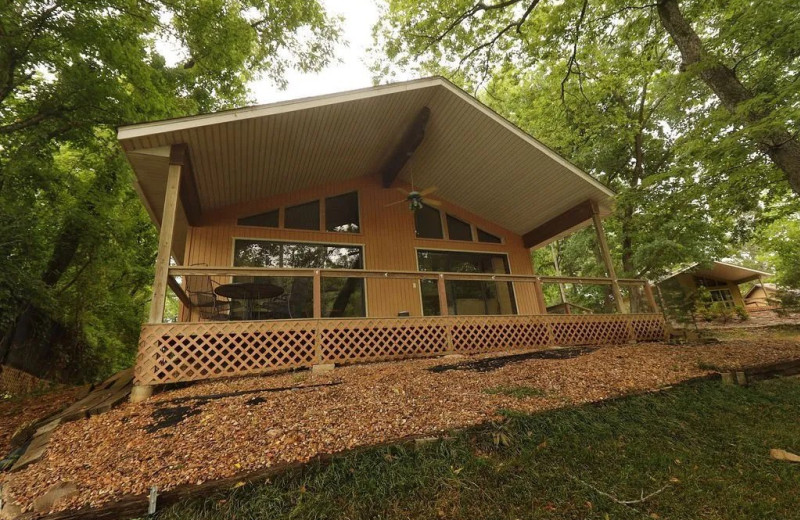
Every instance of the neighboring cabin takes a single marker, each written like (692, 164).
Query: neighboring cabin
(721, 279)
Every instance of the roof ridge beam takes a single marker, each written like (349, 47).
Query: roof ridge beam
(412, 138)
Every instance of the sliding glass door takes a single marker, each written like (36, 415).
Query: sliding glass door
(466, 297)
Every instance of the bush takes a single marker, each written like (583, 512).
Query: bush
(741, 313)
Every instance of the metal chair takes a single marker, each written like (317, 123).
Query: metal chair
(200, 290)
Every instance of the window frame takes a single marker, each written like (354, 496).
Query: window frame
(314, 242)
(322, 227)
(417, 249)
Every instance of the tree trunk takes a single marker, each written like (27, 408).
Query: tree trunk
(778, 144)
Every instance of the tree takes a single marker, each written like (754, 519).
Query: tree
(746, 60)
(80, 249)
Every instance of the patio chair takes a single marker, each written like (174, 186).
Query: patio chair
(200, 290)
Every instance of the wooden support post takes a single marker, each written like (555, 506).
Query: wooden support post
(443, 311)
(165, 244)
(606, 254)
(648, 292)
(141, 392)
(317, 290)
(537, 288)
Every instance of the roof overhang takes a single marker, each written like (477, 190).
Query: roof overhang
(476, 158)
(722, 271)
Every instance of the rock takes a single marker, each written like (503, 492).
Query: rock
(56, 493)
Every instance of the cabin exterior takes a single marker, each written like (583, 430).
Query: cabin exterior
(761, 296)
(388, 222)
(721, 279)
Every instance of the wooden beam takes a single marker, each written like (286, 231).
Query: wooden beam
(190, 198)
(606, 254)
(317, 294)
(178, 290)
(165, 244)
(574, 216)
(410, 142)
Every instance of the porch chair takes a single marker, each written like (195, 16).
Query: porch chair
(200, 290)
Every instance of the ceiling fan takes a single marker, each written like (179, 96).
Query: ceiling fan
(416, 198)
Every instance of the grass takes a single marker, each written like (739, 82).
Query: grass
(707, 443)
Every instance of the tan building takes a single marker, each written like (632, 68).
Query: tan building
(381, 223)
(761, 296)
(721, 279)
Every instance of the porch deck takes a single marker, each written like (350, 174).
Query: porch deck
(189, 351)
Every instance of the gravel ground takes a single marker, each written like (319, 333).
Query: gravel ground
(195, 434)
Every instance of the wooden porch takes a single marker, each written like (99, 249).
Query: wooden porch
(195, 350)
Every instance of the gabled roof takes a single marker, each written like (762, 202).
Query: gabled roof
(768, 288)
(476, 158)
(721, 271)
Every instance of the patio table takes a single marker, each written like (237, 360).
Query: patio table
(249, 292)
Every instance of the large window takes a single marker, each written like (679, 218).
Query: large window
(341, 297)
(302, 216)
(466, 297)
(428, 222)
(457, 229)
(267, 219)
(341, 213)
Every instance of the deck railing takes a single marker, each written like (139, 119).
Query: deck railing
(640, 295)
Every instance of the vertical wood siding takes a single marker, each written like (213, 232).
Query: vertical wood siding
(387, 236)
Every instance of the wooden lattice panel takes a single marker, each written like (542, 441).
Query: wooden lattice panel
(649, 327)
(170, 353)
(192, 351)
(595, 329)
(351, 341)
(488, 333)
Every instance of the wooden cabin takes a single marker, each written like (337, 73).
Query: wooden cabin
(761, 296)
(387, 222)
(721, 279)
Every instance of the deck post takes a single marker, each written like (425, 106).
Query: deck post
(443, 311)
(141, 392)
(606, 254)
(539, 290)
(648, 291)
(165, 244)
(317, 297)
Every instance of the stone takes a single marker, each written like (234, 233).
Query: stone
(57, 492)
(322, 368)
(728, 378)
(141, 393)
(741, 378)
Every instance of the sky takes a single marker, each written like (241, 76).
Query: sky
(348, 74)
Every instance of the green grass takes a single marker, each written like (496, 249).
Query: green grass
(709, 442)
(520, 392)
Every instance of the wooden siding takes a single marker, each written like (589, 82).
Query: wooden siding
(688, 283)
(387, 236)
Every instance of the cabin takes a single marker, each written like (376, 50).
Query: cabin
(721, 279)
(383, 223)
(761, 296)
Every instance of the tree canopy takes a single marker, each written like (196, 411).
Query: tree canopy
(608, 85)
(78, 247)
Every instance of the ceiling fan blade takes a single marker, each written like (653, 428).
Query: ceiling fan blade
(394, 203)
(428, 191)
(431, 202)
(401, 190)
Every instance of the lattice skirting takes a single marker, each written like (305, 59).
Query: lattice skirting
(174, 352)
